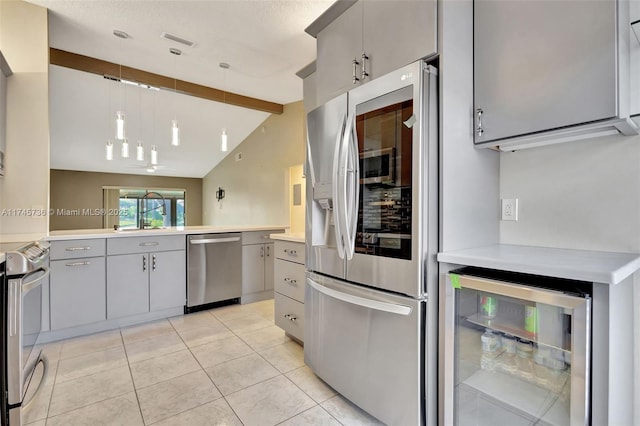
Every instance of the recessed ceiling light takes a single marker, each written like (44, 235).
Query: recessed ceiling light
(172, 37)
(120, 34)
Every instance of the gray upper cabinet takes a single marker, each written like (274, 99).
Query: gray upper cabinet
(370, 39)
(546, 65)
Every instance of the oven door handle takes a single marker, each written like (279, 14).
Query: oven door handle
(29, 282)
(45, 368)
(392, 308)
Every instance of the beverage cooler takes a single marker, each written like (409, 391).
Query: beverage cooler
(516, 349)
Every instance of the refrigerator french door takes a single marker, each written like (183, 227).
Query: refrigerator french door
(375, 232)
(371, 238)
(516, 354)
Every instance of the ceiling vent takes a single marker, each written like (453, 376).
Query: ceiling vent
(168, 36)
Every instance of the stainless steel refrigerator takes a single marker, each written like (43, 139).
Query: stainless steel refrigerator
(371, 240)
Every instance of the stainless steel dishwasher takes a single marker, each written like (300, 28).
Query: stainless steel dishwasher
(214, 270)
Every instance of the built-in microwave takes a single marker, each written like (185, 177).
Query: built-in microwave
(377, 166)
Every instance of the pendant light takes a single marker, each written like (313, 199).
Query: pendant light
(175, 129)
(154, 155)
(109, 150)
(224, 147)
(119, 125)
(223, 141)
(140, 151)
(124, 150)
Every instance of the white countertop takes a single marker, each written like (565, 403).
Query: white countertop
(583, 265)
(294, 237)
(76, 234)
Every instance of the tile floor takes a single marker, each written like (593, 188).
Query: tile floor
(225, 366)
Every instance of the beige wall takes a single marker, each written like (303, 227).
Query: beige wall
(72, 190)
(257, 188)
(25, 45)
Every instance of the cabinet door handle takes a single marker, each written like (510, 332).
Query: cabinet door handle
(292, 318)
(355, 70)
(268, 251)
(365, 58)
(262, 251)
(85, 263)
(153, 262)
(78, 248)
(149, 244)
(479, 129)
(144, 263)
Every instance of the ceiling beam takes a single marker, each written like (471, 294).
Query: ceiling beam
(104, 68)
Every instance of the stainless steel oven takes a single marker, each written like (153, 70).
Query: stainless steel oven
(26, 271)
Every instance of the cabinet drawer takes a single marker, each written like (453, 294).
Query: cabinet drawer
(289, 279)
(77, 248)
(293, 252)
(77, 292)
(289, 315)
(127, 245)
(259, 237)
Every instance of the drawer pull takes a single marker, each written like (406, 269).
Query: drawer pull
(78, 248)
(78, 263)
(149, 244)
(290, 317)
(290, 281)
(290, 252)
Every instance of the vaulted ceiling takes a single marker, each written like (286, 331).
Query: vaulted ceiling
(263, 41)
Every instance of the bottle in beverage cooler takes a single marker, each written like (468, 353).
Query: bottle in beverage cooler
(508, 358)
(540, 370)
(531, 320)
(490, 344)
(524, 361)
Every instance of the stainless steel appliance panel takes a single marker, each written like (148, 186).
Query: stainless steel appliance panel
(397, 224)
(325, 126)
(214, 271)
(368, 345)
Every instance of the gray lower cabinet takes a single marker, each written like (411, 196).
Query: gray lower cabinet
(257, 268)
(77, 292)
(127, 285)
(145, 282)
(289, 276)
(167, 281)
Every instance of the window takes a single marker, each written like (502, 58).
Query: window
(145, 207)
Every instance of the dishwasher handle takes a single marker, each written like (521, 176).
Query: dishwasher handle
(215, 240)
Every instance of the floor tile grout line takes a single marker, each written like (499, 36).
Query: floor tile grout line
(133, 383)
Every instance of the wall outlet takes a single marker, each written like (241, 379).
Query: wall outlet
(509, 209)
(239, 156)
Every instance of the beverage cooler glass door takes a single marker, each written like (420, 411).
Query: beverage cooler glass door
(520, 354)
(393, 122)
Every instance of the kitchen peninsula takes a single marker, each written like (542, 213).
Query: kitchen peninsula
(103, 279)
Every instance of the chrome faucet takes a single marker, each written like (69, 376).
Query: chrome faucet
(143, 212)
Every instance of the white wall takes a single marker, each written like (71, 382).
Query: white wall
(25, 45)
(257, 188)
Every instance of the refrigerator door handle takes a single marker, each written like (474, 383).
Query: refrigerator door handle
(392, 308)
(352, 185)
(338, 206)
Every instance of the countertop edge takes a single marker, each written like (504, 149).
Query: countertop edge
(614, 268)
(292, 238)
(187, 230)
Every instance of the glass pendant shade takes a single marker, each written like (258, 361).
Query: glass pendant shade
(124, 151)
(140, 151)
(175, 133)
(120, 125)
(223, 141)
(154, 155)
(108, 151)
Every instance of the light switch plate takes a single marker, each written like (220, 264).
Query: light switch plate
(509, 209)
